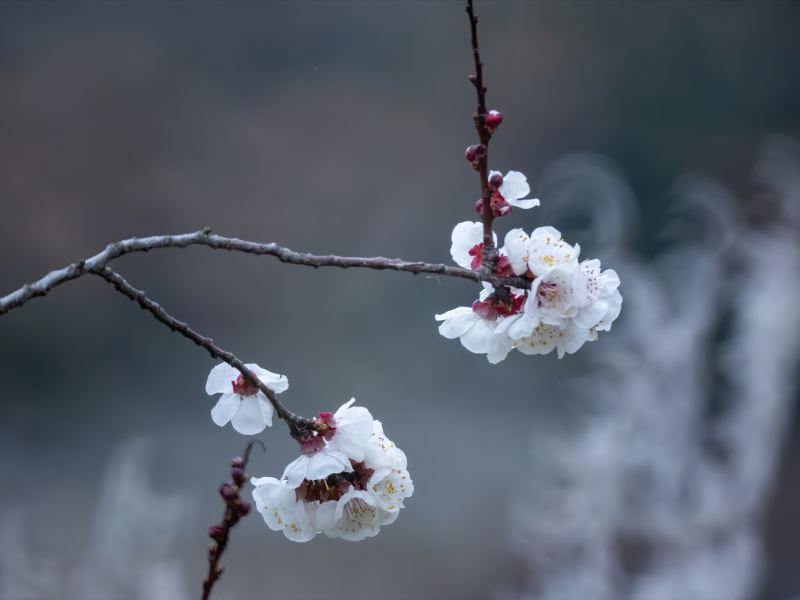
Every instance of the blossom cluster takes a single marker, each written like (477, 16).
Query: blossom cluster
(568, 301)
(349, 480)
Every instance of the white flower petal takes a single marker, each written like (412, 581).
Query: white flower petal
(390, 487)
(248, 420)
(479, 337)
(525, 204)
(326, 519)
(282, 511)
(464, 237)
(456, 322)
(295, 471)
(221, 378)
(515, 186)
(353, 430)
(225, 408)
(277, 383)
(265, 407)
(325, 463)
(516, 248)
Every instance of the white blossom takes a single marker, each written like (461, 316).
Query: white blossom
(390, 487)
(515, 247)
(354, 517)
(514, 189)
(476, 333)
(324, 491)
(316, 465)
(381, 452)
(278, 505)
(466, 246)
(567, 304)
(353, 428)
(546, 250)
(242, 403)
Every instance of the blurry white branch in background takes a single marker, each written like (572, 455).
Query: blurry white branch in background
(126, 554)
(655, 491)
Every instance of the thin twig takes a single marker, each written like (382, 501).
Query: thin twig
(96, 263)
(489, 251)
(298, 426)
(235, 509)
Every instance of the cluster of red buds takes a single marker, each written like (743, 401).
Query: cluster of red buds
(236, 507)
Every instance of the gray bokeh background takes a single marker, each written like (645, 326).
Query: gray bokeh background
(329, 127)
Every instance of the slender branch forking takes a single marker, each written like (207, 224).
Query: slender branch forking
(489, 251)
(298, 426)
(96, 263)
(236, 508)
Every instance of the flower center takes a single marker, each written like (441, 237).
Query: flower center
(547, 293)
(494, 306)
(243, 387)
(336, 485)
(356, 508)
(311, 444)
(326, 425)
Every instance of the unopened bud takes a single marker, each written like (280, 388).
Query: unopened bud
(216, 533)
(472, 78)
(495, 181)
(227, 492)
(237, 462)
(474, 154)
(238, 476)
(244, 508)
(479, 206)
(493, 118)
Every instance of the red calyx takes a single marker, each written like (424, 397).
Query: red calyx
(476, 252)
(493, 307)
(504, 267)
(326, 424)
(243, 387)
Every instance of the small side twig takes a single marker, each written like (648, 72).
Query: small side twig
(298, 426)
(235, 509)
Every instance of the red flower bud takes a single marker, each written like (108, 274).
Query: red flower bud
(495, 181)
(238, 476)
(227, 492)
(237, 462)
(216, 533)
(493, 118)
(474, 154)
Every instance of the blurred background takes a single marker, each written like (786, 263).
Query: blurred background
(660, 463)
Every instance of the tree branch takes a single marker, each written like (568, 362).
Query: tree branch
(489, 251)
(298, 426)
(96, 263)
(235, 509)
